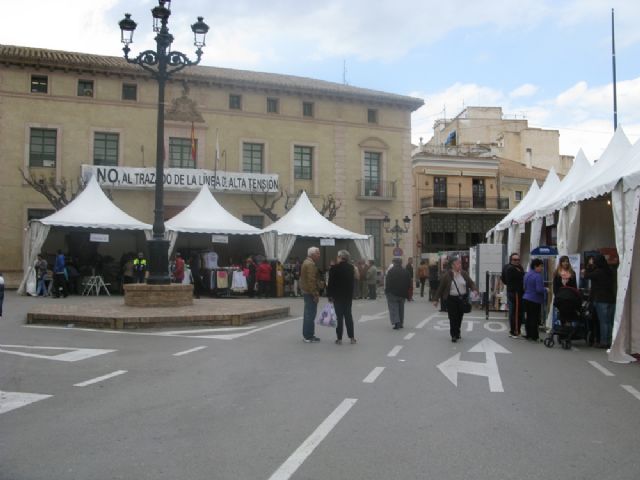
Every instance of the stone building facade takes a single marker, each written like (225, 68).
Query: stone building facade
(62, 112)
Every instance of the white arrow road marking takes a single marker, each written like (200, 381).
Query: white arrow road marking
(375, 316)
(71, 355)
(452, 366)
(12, 400)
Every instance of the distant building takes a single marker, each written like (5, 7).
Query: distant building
(64, 112)
(464, 184)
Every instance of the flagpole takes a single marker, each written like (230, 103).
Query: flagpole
(613, 57)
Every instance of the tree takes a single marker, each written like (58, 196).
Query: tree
(59, 194)
(329, 208)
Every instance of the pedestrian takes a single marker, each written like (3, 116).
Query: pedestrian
(250, 268)
(409, 269)
(434, 281)
(513, 277)
(296, 277)
(41, 275)
(194, 264)
(423, 275)
(564, 276)
(339, 292)
(73, 278)
(455, 284)
(1, 292)
(279, 279)
(603, 296)
(372, 280)
(310, 283)
(396, 288)
(533, 298)
(178, 269)
(362, 273)
(263, 276)
(59, 276)
(140, 267)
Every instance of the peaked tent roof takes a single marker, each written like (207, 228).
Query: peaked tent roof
(631, 168)
(550, 186)
(305, 221)
(205, 215)
(605, 173)
(529, 199)
(569, 184)
(92, 209)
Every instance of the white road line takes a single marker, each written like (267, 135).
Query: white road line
(186, 352)
(373, 375)
(632, 391)
(426, 320)
(12, 400)
(597, 366)
(394, 351)
(409, 336)
(297, 458)
(71, 354)
(99, 379)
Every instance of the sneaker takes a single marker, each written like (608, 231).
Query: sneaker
(511, 335)
(314, 339)
(338, 342)
(307, 340)
(353, 340)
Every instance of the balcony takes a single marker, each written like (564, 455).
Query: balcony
(468, 203)
(376, 190)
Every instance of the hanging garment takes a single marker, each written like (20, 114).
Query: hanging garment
(238, 282)
(222, 279)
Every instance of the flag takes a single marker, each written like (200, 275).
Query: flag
(193, 143)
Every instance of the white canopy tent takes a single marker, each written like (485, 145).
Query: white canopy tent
(205, 215)
(513, 241)
(303, 220)
(90, 209)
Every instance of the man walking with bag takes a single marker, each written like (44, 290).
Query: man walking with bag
(310, 284)
(340, 293)
(513, 278)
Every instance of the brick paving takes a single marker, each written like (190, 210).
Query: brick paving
(111, 312)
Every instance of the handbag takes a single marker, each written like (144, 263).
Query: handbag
(327, 316)
(466, 304)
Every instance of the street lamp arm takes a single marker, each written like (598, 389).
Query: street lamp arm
(149, 60)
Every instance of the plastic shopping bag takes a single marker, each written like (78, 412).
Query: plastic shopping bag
(327, 316)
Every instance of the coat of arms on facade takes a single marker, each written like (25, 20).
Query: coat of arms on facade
(184, 109)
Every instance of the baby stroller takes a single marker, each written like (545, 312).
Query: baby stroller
(571, 323)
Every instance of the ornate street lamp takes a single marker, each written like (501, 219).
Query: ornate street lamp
(161, 63)
(396, 230)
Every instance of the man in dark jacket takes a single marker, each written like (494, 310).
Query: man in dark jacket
(396, 289)
(340, 292)
(513, 278)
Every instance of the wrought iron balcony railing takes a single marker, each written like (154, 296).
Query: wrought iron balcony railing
(376, 189)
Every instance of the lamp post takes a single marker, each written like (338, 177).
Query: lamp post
(396, 230)
(161, 63)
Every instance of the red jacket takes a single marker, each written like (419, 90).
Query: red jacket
(263, 272)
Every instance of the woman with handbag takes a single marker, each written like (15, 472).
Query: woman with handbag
(455, 285)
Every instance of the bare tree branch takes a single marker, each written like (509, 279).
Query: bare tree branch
(330, 206)
(265, 208)
(57, 194)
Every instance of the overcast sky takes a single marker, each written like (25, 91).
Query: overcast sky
(546, 60)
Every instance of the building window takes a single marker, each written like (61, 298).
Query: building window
(85, 88)
(39, 84)
(105, 148)
(302, 162)
(129, 91)
(479, 193)
(372, 115)
(272, 105)
(43, 144)
(439, 191)
(252, 157)
(254, 220)
(235, 102)
(180, 154)
(307, 109)
(38, 213)
(374, 228)
(372, 185)
(518, 195)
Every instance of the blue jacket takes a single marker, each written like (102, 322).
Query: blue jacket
(533, 287)
(58, 267)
